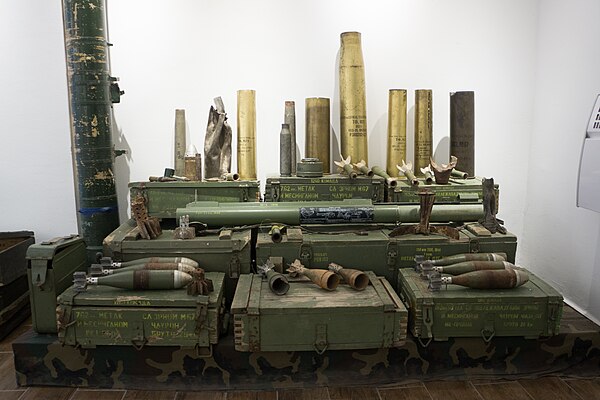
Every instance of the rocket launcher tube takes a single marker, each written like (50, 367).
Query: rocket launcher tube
(143, 280)
(307, 213)
(470, 266)
(491, 279)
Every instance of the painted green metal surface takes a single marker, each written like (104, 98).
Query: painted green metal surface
(309, 318)
(110, 316)
(457, 191)
(322, 212)
(13, 248)
(91, 93)
(326, 188)
(369, 247)
(163, 198)
(530, 311)
(51, 265)
(228, 252)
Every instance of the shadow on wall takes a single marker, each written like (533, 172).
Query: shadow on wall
(335, 153)
(442, 151)
(122, 170)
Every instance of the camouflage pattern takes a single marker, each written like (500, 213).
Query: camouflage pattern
(42, 360)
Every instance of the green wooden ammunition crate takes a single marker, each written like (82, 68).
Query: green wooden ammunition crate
(163, 198)
(13, 248)
(310, 318)
(368, 247)
(457, 191)
(326, 188)
(531, 310)
(50, 269)
(228, 252)
(109, 316)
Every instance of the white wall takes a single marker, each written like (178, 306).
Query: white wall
(182, 53)
(560, 241)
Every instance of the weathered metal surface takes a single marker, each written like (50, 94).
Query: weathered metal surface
(462, 130)
(530, 311)
(490, 208)
(323, 278)
(309, 168)
(331, 187)
(423, 143)
(575, 351)
(348, 211)
(91, 93)
(180, 143)
(486, 279)
(289, 117)
(318, 131)
(137, 279)
(13, 247)
(246, 134)
(396, 130)
(110, 316)
(372, 247)
(442, 172)
(356, 279)
(285, 151)
(163, 198)
(353, 103)
(457, 191)
(217, 142)
(226, 251)
(51, 265)
(149, 227)
(340, 320)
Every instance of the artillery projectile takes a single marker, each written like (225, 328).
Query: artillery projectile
(98, 270)
(278, 283)
(107, 262)
(491, 279)
(469, 266)
(459, 258)
(322, 277)
(136, 280)
(354, 278)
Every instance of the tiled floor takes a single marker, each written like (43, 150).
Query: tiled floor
(536, 389)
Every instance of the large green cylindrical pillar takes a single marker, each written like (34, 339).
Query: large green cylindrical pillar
(91, 93)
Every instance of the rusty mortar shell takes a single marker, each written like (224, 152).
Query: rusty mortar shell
(489, 279)
(381, 172)
(285, 151)
(323, 278)
(462, 130)
(353, 103)
(356, 279)
(423, 128)
(470, 266)
(180, 146)
(318, 131)
(396, 130)
(289, 118)
(246, 134)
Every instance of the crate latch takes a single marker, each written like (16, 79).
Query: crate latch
(427, 324)
(138, 339)
(321, 338)
(234, 266)
(474, 246)
(488, 331)
(201, 313)
(392, 255)
(39, 269)
(305, 254)
(244, 195)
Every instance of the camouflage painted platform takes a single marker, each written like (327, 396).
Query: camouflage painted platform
(41, 360)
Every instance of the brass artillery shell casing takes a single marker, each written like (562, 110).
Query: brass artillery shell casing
(353, 103)
(290, 119)
(180, 142)
(246, 132)
(318, 131)
(285, 151)
(396, 139)
(190, 170)
(423, 128)
(462, 130)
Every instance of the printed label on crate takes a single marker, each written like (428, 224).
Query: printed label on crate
(336, 215)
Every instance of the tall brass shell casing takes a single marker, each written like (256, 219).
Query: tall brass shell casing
(246, 134)
(180, 142)
(396, 139)
(318, 131)
(289, 118)
(353, 103)
(462, 130)
(423, 128)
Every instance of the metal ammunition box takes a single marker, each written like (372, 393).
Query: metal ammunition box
(457, 191)
(309, 318)
(531, 310)
(370, 247)
(108, 316)
(13, 247)
(50, 269)
(228, 252)
(326, 188)
(163, 198)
